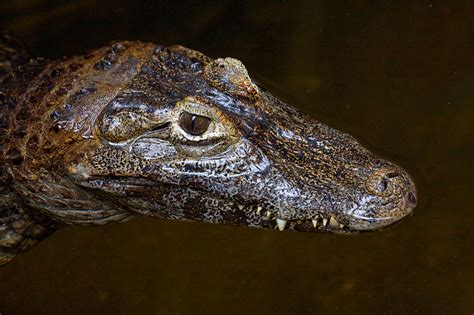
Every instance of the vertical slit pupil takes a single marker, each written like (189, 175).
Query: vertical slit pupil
(193, 123)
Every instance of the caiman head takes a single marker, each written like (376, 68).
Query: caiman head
(187, 137)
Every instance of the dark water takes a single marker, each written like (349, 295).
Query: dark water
(398, 77)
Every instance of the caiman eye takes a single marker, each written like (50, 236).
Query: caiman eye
(195, 125)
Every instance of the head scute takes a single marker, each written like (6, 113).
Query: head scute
(230, 75)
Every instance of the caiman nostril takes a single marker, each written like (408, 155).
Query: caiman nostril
(382, 186)
(381, 181)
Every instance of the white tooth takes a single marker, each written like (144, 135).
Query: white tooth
(259, 209)
(315, 222)
(341, 225)
(241, 207)
(333, 222)
(268, 214)
(281, 224)
(231, 203)
(325, 222)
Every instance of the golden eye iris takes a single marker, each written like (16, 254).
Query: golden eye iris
(195, 125)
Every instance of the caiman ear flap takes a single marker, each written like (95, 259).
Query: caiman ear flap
(231, 76)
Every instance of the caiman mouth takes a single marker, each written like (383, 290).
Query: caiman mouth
(339, 223)
(258, 215)
(269, 219)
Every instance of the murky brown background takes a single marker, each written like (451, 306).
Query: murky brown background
(398, 77)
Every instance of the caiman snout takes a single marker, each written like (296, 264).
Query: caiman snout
(384, 181)
(391, 196)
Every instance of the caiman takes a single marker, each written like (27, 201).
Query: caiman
(137, 128)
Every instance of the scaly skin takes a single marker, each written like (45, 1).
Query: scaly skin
(136, 128)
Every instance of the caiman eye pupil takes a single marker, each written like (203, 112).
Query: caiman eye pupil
(194, 124)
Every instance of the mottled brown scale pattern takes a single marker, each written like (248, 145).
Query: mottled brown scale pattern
(134, 128)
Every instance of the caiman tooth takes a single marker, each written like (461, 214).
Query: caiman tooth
(333, 222)
(268, 214)
(341, 225)
(325, 222)
(241, 207)
(315, 223)
(281, 224)
(259, 209)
